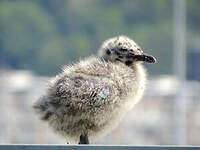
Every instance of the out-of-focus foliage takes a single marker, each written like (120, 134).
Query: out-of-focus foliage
(44, 35)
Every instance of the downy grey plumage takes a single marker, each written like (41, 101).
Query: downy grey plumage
(89, 98)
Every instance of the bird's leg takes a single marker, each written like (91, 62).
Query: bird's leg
(84, 139)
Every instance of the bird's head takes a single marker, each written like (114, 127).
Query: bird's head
(125, 50)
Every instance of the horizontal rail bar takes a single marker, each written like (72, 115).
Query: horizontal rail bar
(94, 147)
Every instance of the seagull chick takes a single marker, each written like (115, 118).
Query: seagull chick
(89, 98)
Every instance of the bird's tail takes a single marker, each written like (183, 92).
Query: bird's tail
(43, 108)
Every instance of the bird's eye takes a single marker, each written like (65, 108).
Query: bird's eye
(123, 49)
(108, 52)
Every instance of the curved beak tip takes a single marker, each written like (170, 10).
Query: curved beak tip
(150, 59)
(154, 60)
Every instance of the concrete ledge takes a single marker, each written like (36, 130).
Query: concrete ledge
(94, 147)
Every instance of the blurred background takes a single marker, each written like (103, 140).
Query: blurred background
(38, 37)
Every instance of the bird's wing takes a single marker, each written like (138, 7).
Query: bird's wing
(80, 89)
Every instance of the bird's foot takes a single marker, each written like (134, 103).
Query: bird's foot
(84, 139)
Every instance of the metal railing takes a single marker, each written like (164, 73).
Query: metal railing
(94, 147)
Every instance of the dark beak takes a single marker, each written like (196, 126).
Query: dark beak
(144, 57)
(148, 58)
